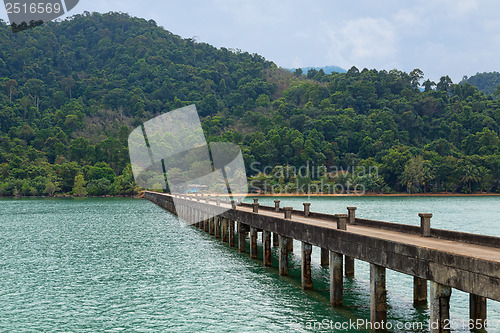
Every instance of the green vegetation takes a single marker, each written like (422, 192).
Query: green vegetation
(70, 92)
(488, 83)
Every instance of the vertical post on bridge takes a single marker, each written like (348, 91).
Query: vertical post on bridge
(232, 240)
(283, 255)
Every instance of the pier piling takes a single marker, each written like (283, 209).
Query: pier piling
(336, 279)
(306, 266)
(266, 243)
(378, 297)
(283, 253)
(440, 307)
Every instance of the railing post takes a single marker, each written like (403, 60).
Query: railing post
(255, 206)
(288, 212)
(307, 209)
(425, 224)
(342, 221)
(352, 215)
(276, 205)
(306, 277)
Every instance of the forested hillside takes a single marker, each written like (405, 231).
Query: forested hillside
(72, 91)
(488, 83)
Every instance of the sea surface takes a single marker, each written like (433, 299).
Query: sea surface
(127, 265)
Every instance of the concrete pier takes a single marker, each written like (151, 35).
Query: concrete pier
(336, 279)
(232, 237)
(253, 242)
(447, 259)
(217, 229)
(283, 255)
(306, 266)
(276, 239)
(349, 267)
(440, 307)
(241, 237)
(211, 226)
(378, 297)
(325, 257)
(224, 230)
(419, 291)
(266, 244)
(478, 311)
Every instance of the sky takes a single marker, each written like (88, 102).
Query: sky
(440, 37)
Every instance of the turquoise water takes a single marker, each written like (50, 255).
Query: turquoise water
(120, 264)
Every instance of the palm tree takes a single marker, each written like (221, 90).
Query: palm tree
(470, 173)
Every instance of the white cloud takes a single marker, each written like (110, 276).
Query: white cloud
(364, 41)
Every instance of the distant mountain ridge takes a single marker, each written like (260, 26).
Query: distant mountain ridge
(485, 82)
(326, 69)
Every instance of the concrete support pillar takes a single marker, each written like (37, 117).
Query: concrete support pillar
(378, 297)
(266, 242)
(283, 259)
(306, 266)
(217, 229)
(425, 224)
(206, 222)
(336, 279)
(232, 239)
(440, 307)
(419, 291)
(276, 240)
(349, 266)
(276, 205)
(325, 257)
(211, 226)
(224, 229)
(290, 245)
(478, 311)
(241, 238)
(307, 209)
(351, 215)
(253, 242)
